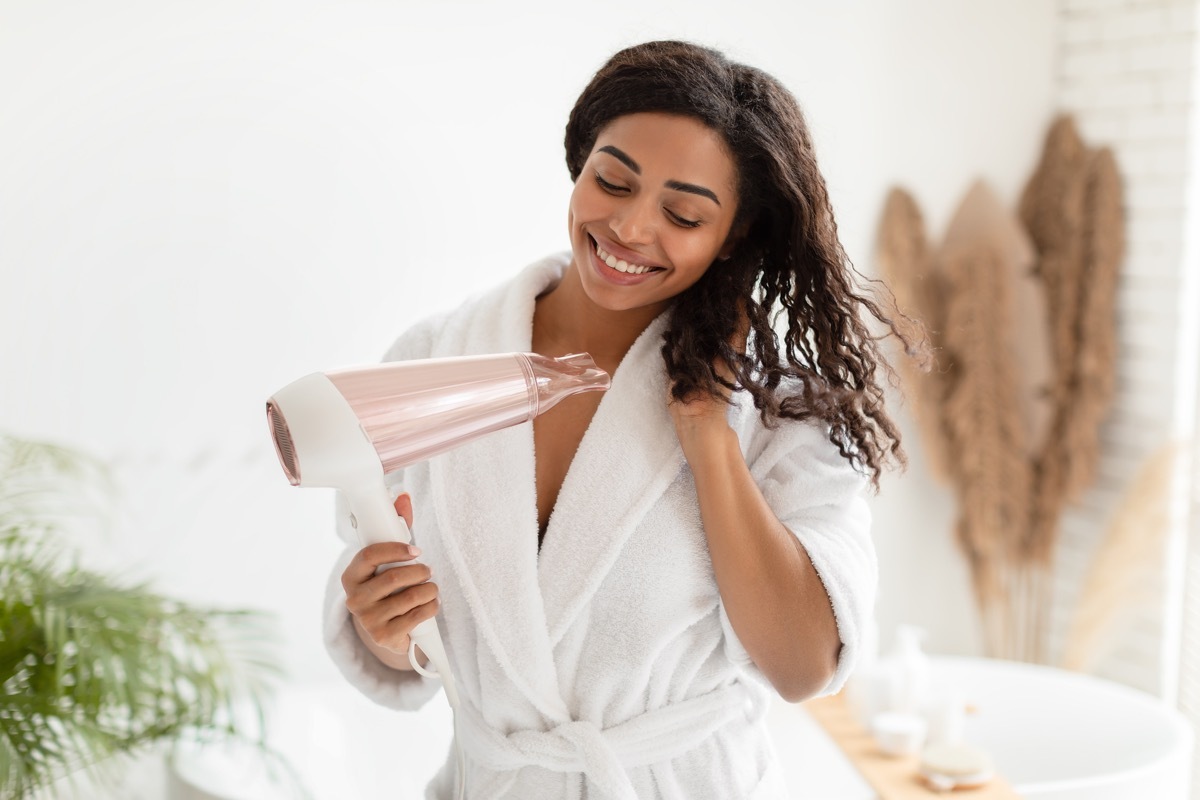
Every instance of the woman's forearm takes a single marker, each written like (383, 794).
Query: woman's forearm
(775, 600)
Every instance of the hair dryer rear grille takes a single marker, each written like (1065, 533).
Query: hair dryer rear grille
(283, 444)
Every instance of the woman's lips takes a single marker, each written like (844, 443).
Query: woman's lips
(615, 276)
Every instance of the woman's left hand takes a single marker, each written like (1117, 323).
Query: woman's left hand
(701, 411)
(698, 411)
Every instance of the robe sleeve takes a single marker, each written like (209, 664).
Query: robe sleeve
(819, 496)
(400, 689)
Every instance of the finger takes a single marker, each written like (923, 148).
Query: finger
(403, 602)
(394, 634)
(394, 580)
(362, 567)
(404, 624)
(383, 613)
(362, 597)
(404, 508)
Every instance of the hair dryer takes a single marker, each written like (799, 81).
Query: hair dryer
(347, 428)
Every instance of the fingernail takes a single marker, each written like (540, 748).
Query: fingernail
(413, 550)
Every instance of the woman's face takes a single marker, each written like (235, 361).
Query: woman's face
(651, 210)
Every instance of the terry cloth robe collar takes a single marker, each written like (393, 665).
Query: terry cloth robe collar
(523, 605)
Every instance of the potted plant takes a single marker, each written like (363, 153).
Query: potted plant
(92, 668)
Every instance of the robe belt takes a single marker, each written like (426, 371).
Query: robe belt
(603, 755)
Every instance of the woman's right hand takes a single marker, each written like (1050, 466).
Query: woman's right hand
(386, 607)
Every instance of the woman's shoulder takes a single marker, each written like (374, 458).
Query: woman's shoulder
(811, 445)
(480, 307)
(417, 340)
(779, 433)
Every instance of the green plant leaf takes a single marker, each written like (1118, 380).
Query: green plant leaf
(91, 668)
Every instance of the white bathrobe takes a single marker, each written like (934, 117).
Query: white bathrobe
(605, 666)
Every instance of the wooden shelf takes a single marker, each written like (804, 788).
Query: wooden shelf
(893, 778)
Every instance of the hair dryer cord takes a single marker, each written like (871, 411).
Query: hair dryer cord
(416, 664)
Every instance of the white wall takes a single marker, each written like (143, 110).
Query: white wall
(1128, 73)
(202, 201)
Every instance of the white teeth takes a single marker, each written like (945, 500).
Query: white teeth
(619, 265)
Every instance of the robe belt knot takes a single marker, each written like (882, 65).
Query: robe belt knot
(603, 755)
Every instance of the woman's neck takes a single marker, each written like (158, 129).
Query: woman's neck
(565, 320)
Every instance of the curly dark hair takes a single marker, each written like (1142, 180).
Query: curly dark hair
(789, 261)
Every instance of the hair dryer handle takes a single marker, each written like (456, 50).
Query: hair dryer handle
(373, 516)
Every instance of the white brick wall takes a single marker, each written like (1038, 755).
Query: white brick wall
(1127, 72)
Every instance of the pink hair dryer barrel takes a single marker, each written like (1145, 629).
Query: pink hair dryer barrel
(346, 429)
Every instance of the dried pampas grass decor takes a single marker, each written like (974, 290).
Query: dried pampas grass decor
(1115, 585)
(907, 265)
(1021, 312)
(1072, 207)
(983, 258)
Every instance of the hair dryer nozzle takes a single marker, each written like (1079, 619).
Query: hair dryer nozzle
(559, 378)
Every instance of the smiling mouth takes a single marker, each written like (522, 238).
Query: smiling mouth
(618, 264)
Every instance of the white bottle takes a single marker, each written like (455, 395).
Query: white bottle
(863, 692)
(946, 712)
(910, 671)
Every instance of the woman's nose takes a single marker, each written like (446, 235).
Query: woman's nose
(634, 222)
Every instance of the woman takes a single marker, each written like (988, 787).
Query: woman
(621, 587)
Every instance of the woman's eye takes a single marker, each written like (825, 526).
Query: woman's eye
(687, 223)
(611, 188)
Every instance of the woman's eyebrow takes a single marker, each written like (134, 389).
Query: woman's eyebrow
(694, 189)
(678, 186)
(621, 156)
